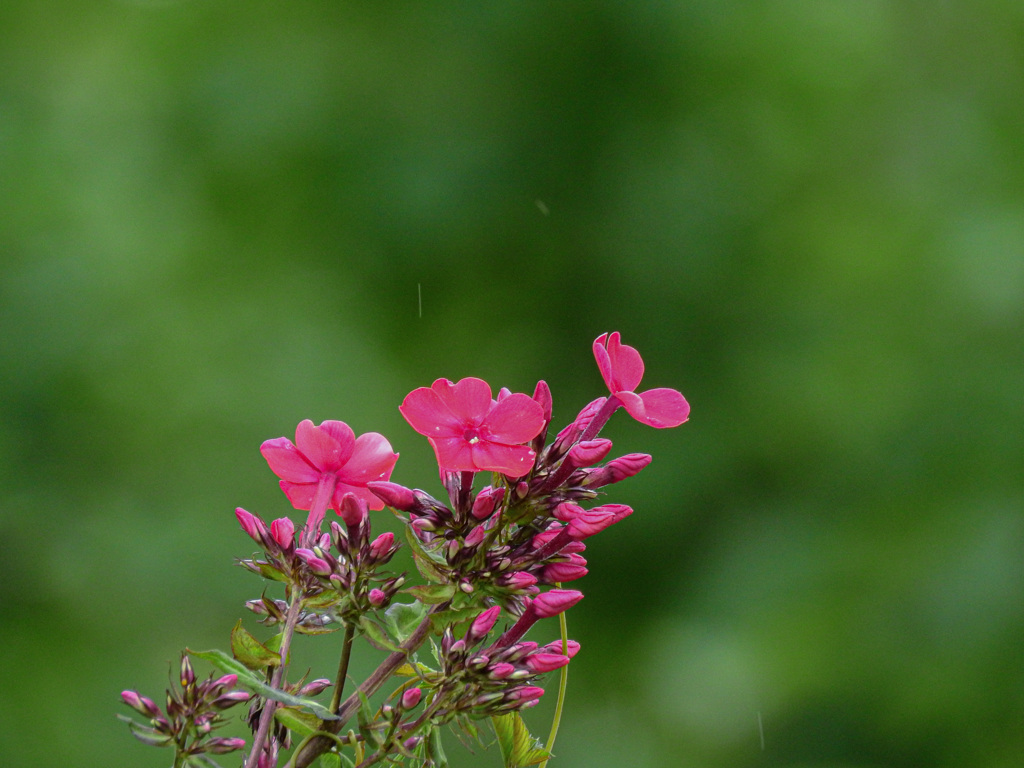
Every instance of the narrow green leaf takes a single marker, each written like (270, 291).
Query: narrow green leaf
(377, 636)
(432, 593)
(401, 619)
(439, 758)
(250, 651)
(248, 680)
(518, 747)
(268, 571)
(329, 760)
(302, 723)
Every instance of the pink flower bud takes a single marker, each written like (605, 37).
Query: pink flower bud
(542, 395)
(546, 662)
(475, 536)
(377, 597)
(483, 624)
(565, 512)
(525, 694)
(381, 547)
(555, 646)
(518, 580)
(617, 469)
(316, 564)
(501, 670)
(393, 494)
(589, 452)
(313, 687)
(252, 525)
(187, 675)
(554, 602)
(221, 746)
(575, 568)
(411, 698)
(283, 531)
(486, 501)
(230, 698)
(227, 681)
(140, 704)
(352, 509)
(590, 521)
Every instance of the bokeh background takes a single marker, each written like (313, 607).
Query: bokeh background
(218, 218)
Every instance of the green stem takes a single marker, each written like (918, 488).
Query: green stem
(563, 680)
(346, 652)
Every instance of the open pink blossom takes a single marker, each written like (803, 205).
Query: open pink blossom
(328, 461)
(622, 368)
(471, 432)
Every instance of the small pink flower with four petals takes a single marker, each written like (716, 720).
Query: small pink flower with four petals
(622, 368)
(469, 431)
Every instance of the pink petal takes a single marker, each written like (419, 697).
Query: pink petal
(453, 454)
(659, 408)
(371, 459)
(511, 460)
(359, 491)
(604, 363)
(328, 446)
(287, 463)
(469, 400)
(299, 494)
(427, 414)
(515, 419)
(627, 365)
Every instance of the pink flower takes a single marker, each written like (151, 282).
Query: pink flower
(329, 461)
(622, 369)
(469, 431)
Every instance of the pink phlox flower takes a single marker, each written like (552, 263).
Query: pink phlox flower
(622, 368)
(329, 458)
(469, 431)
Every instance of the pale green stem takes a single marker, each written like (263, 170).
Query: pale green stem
(563, 679)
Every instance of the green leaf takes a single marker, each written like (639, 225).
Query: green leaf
(248, 680)
(427, 563)
(432, 593)
(250, 651)
(443, 619)
(329, 760)
(438, 757)
(518, 747)
(268, 571)
(144, 734)
(377, 636)
(401, 619)
(326, 599)
(302, 723)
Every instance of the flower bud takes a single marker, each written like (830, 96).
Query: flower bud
(140, 704)
(542, 395)
(617, 469)
(313, 687)
(575, 568)
(546, 662)
(224, 682)
(376, 597)
(519, 580)
(475, 537)
(411, 698)
(231, 698)
(589, 452)
(590, 521)
(353, 510)
(525, 694)
(483, 624)
(283, 531)
(187, 675)
(554, 602)
(316, 564)
(252, 525)
(221, 746)
(555, 646)
(486, 501)
(393, 495)
(382, 547)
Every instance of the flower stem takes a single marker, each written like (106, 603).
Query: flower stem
(269, 705)
(346, 652)
(563, 679)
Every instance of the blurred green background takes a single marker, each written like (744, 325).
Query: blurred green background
(218, 218)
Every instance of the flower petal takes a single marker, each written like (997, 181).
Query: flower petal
(359, 491)
(453, 454)
(511, 460)
(427, 414)
(299, 494)
(517, 418)
(328, 446)
(469, 400)
(626, 363)
(371, 459)
(660, 408)
(287, 463)
(604, 363)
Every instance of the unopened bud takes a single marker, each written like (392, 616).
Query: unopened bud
(377, 597)
(486, 501)
(554, 602)
(187, 675)
(230, 698)
(475, 537)
(353, 510)
(382, 547)
(221, 746)
(555, 646)
(252, 525)
(591, 521)
(501, 670)
(140, 704)
(392, 494)
(483, 624)
(589, 452)
(546, 662)
(283, 531)
(575, 568)
(411, 698)
(313, 687)
(617, 469)
(317, 565)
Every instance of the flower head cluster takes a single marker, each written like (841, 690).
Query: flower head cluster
(190, 716)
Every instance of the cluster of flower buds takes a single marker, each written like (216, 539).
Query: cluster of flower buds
(190, 715)
(502, 677)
